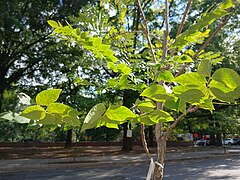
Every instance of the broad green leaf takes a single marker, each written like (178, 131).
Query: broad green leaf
(146, 105)
(226, 96)
(160, 116)
(227, 77)
(153, 90)
(145, 119)
(62, 109)
(93, 117)
(49, 119)
(205, 68)
(207, 104)
(71, 120)
(191, 96)
(182, 106)
(119, 113)
(52, 23)
(172, 103)
(47, 97)
(34, 112)
(225, 85)
(105, 121)
(165, 76)
(191, 78)
(227, 4)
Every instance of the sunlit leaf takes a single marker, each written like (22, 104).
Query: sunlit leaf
(47, 97)
(93, 116)
(205, 68)
(34, 112)
(119, 113)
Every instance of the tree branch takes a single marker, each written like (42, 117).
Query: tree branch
(146, 32)
(166, 32)
(191, 109)
(144, 141)
(184, 17)
(204, 46)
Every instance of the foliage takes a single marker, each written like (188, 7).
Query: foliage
(49, 112)
(199, 88)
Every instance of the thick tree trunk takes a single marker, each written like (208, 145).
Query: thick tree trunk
(127, 141)
(150, 136)
(68, 143)
(161, 152)
(1, 100)
(129, 97)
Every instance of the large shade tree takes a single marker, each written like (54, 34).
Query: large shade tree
(25, 43)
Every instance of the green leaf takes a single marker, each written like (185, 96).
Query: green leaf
(191, 78)
(191, 96)
(205, 68)
(93, 117)
(207, 104)
(71, 120)
(225, 85)
(119, 113)
(227, 77)
(172, 103)
(47, 97)
(49, 119)
(191, 35)
(160, 116)
(166, 76)
(182, 106)
(112, 66)
(184, 59)
(144, 119)
(34, 112)
(146, 105)
(62, 109)
(124, 69)
(226, 5)
(52, 23)
(153, 90)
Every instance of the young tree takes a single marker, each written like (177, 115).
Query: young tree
(164, 88)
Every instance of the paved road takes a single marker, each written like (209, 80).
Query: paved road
(213, 168)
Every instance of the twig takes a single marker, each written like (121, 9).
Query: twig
(191, 109)
(203, 47)
(144, 142)
(146, 31)
(166, 32)
(184, 17)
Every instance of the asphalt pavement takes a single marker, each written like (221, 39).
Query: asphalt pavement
(116, 160)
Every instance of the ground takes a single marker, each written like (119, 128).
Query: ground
(61, 152)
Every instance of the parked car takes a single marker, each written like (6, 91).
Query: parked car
(238, 141)
(229, 141)
(202, 142)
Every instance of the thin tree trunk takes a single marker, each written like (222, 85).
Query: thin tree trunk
(161, 151)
